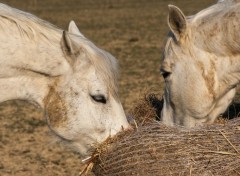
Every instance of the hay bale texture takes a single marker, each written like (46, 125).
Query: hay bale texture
(154, 149)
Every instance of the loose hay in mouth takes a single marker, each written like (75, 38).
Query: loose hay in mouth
(154, 149)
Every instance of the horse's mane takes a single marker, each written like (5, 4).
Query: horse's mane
(28, 24)
(220, 7)
(216, 27)
(33, 27)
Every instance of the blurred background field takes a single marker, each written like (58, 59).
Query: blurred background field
(134, 31)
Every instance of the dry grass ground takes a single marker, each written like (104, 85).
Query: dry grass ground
(132, 30)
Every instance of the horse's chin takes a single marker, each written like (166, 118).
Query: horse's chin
(84, 150)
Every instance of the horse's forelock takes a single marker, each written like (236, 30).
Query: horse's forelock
(167, 45)
(106, 65)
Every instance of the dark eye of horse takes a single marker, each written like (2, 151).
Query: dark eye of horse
(99, 99)
(165, 74)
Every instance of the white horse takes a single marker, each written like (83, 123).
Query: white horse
(201, 64)
(74, 81)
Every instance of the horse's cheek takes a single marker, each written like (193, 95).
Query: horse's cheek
(56, 109)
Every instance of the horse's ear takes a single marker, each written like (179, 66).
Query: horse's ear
(70, 43)
(71, 37)
(73, 29)
(177, 21)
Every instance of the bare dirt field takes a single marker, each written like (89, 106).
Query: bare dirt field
(132, 30)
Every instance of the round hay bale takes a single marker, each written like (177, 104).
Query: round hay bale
(155, 149)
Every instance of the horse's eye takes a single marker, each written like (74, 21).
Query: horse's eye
(165, 74)
(99, 99)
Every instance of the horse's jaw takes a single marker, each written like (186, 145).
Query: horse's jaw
(84, 141)
(83, 144)
(190, 121)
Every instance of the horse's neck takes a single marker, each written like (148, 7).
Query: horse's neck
(27, 67)
(229, 68)
(216, 29)
(32, 89)
(219, 38)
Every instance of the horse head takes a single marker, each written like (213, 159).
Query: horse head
(200, 64)
(82, 106)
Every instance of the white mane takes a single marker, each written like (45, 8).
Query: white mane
(208, 11)
(214, 9)
(28, 25)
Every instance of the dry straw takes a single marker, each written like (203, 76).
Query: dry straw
(154, 149)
